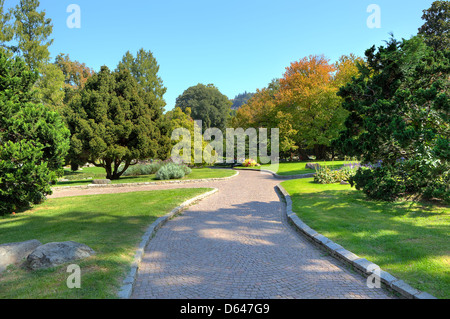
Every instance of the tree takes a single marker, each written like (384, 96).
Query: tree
(24, 32)
(75, 75)
(307, 97)
(31, 32)
(6, 29)
(437, 25)
(50, 87)
(33, 139)
(144, 69)
(207, 104)
(399, 118)
(115, 122)
(240, 100)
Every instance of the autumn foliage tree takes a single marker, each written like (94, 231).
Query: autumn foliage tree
(75, 74)
(303, 104)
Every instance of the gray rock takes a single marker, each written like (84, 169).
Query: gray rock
(14, 253)
(54, 254)
(101, 181)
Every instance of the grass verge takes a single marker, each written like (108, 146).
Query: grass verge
(298, 168)
(408, 240)
(110, 224)
(85, 177)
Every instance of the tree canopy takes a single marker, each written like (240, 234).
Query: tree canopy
(399, 118)
(144, 69)
(34, 140)
(206, 104)
(436, 28)
(115, 122)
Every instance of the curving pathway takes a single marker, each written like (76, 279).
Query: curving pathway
(237, 244)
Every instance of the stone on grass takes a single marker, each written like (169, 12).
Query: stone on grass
(14, 253)
(54, 254)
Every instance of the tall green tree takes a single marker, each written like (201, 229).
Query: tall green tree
(33, 139)
(6, 29)
(31, 32)
(436, 28)
(115, 122)
(399, 115)
(50, 87)
(144, 69)
(208, 104)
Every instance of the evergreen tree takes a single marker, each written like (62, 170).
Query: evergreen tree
(33, 140)
(115, 122)
(399, 118)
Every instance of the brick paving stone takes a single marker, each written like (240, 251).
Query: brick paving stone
(237, 243)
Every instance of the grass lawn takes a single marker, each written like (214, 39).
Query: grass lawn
(297, 168)
(85, 176)
(110, 224)
(408, 240)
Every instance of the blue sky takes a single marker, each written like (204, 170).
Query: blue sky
(236, 45)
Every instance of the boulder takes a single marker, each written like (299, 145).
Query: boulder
(54, 254)
(101, 181)
(14, 253)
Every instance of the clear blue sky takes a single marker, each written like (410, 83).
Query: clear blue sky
(236, 45)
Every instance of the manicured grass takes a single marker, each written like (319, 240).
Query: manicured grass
(86, 176)
(110, 224)
(408, 240)
(297, 168)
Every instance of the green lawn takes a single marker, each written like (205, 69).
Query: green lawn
(85, 176)
(112, 225)
(297, 168)
(408, 240)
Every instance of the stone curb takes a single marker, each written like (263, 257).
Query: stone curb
(188, 181)
(359, 264)
(128, 283)
(309, 175)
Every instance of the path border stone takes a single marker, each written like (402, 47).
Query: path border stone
(175, 181)
(128, 283)
(359, 264)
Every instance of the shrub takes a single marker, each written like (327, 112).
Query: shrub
(24, 178)
(172, 171)
(325, 175)
(402, 179)
(143, 169)
(33, 140)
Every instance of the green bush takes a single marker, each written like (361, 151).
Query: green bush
(24, 178)
(33, 140)
(172, 171)
(404, 179)
(143, 169)
(325, 175)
